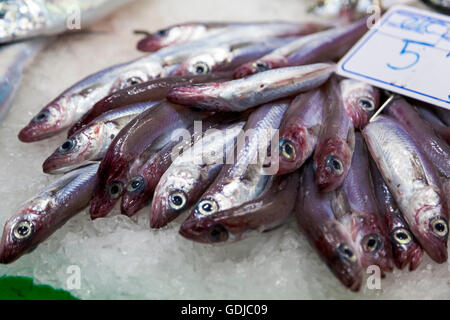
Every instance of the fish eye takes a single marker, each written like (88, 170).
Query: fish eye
(200, 68)
(261, 65)
(366, 104)
(345, 252)
(218, 233)
(136, 184)
(67, 146)
(115, 190)
(402, 236)
(133, 81)
(41, 116)
(287, 150)
(177, 200)
(23, 230)
(439, 227)
(372, 243)
(206, 207)
(335, 164)
(162, 32)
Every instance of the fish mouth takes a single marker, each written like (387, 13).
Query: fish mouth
(149, 44)
(35, 132)
(412, 257)
(101, 206)
(131, 205)
(192, 229)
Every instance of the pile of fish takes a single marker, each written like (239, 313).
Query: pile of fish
(241, 126)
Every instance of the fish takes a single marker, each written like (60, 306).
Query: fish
(361, 215)
(14, 58)
(39, 217)
(226, 57)
(242, 94)
(65, 110)
(147, 169)
(190, 31)
(361, 100)
(244, 178)
(23, 19)
(433, 120)
(333, 243)
(406, 250)
(300, 129)
(342, 8)
(153, 90)
(443, 114)
(91, 142)
(318, 47)
(267, 212)
(435, 148)
(191, 173)
(151, 129)
(413, 181)
(333, 153)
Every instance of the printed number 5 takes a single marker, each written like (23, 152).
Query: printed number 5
(405, 52)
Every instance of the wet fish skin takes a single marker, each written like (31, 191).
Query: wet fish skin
(361, 100)
(317, 47)
(146, 170)
(325, 233)
(239, 95)
(226, 57)
(38, 218)
(300, 129)
(406, 249)
(131, 141)
(270, 210)
(440, 127)
(364, 219)
(435, 148)
(413, 181)
(14, 58)
(23, 19)
(153, 90)
(244, 178)
(91, 142)
(333, 154)
(73, 103)
(186, 32)
(191, 174)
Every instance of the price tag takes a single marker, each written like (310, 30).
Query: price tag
(406, 52)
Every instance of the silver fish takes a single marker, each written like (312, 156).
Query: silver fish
(38, 218)
(413, 181)
(14, 58)
(191, 173)
(242, 94)
(91, 142)
(29, 18)
(245, 178)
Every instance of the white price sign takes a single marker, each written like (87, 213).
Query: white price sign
(407, 52)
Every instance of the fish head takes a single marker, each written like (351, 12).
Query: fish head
(51, 120)
(429, 223)
(292, 148)
(204, 230)
(405, 248)
(170, 36)
(105, 197)
(24, 231)
(199, 95)
(341, 255)
(361, 100)
(257, 66)
(138, 191)
(79, 149)
(174, 194)
(129, 78)
(371, 240)
(331, 164)
(202, 63)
